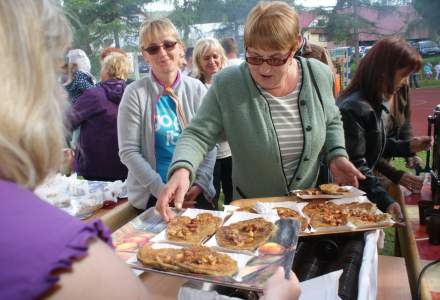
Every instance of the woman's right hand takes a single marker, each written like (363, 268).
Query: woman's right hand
(411, 182)
(174, 190)
(279, 288)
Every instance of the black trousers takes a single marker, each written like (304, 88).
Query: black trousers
(223, 178)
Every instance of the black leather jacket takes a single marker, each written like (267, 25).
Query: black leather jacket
(366, 143)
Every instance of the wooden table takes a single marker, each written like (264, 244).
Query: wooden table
(117, 216)
(416, 248)
(392, 280)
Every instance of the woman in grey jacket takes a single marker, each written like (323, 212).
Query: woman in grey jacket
(275, 119)
(152, 115)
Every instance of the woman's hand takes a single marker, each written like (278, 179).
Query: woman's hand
(191, 196)
(413, 161)
(420, 143)
(395, 210)
(344, 172)
(279, 288)
(411, 182)
(174, 190)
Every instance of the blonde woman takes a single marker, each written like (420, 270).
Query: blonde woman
(45, 252)
(275, 119)
(95, 112)
(209, 58)
(153, 114)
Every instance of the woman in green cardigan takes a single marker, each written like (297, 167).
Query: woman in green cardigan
(277, 112)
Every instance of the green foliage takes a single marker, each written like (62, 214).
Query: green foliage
(99, 23)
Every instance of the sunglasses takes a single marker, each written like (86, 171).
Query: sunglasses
(166, 45)
(272, 61)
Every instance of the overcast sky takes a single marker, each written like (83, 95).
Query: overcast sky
(160, 5)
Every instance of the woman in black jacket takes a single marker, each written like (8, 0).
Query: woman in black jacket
(381, 73)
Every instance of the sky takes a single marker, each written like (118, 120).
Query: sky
(160, 5)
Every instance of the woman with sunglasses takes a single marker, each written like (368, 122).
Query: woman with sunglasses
(209, 58)
(274, 118)
(152, 115)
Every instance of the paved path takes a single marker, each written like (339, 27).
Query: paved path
(423, 102)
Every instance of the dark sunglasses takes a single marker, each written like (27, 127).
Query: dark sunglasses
(154, 48)
(272, 61)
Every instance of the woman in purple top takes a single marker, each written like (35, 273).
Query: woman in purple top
(43, 251)
(96, 112)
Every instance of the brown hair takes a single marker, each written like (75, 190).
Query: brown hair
(272, 26)
(109, 50)
(229, 45)
(376, 72)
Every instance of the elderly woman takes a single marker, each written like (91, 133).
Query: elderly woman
(381, 73)
(96, 112)
(275, 119)
(209, 58)
(152, 115)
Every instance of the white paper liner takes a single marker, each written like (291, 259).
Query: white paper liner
(241, 259)
(192, 213)
(353, 192)
(237, 217)
(230, 208)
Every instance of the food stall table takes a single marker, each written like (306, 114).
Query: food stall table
(416, 248)
(116, 216)
(392, 279)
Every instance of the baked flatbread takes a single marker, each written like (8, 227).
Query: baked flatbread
(309, 192)
(364, 206)
(196, 259)
(194, 231)
(332, 218)
(245, 235)
(204, 260)
(316, 206)
(158, 258)
(362, 218)
(333, 189)
(284, 212)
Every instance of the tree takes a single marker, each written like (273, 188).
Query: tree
(430, 11)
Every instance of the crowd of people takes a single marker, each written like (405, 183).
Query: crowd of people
(200, 124)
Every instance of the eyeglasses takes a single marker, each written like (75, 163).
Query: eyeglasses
(154, 48)
(272, 61)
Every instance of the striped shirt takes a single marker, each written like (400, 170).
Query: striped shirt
(288, 127)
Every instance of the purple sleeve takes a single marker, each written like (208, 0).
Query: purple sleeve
(40, 239)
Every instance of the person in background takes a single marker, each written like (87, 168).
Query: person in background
(47, 253)
(427, 69)
(381, 73)
(209, 58)
(397, 123)
(437, 71)
(96, 112)
(189, 61)
(79, 74)
(152, 115)
(413, 80)
(231, 50)
(271, 116)
(109, 50)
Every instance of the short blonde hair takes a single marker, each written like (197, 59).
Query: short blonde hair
(116, 65)
(152, 29)
(203, 46)
(272, 26)
(35, 36)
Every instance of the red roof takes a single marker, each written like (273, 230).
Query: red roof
(390, 21)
